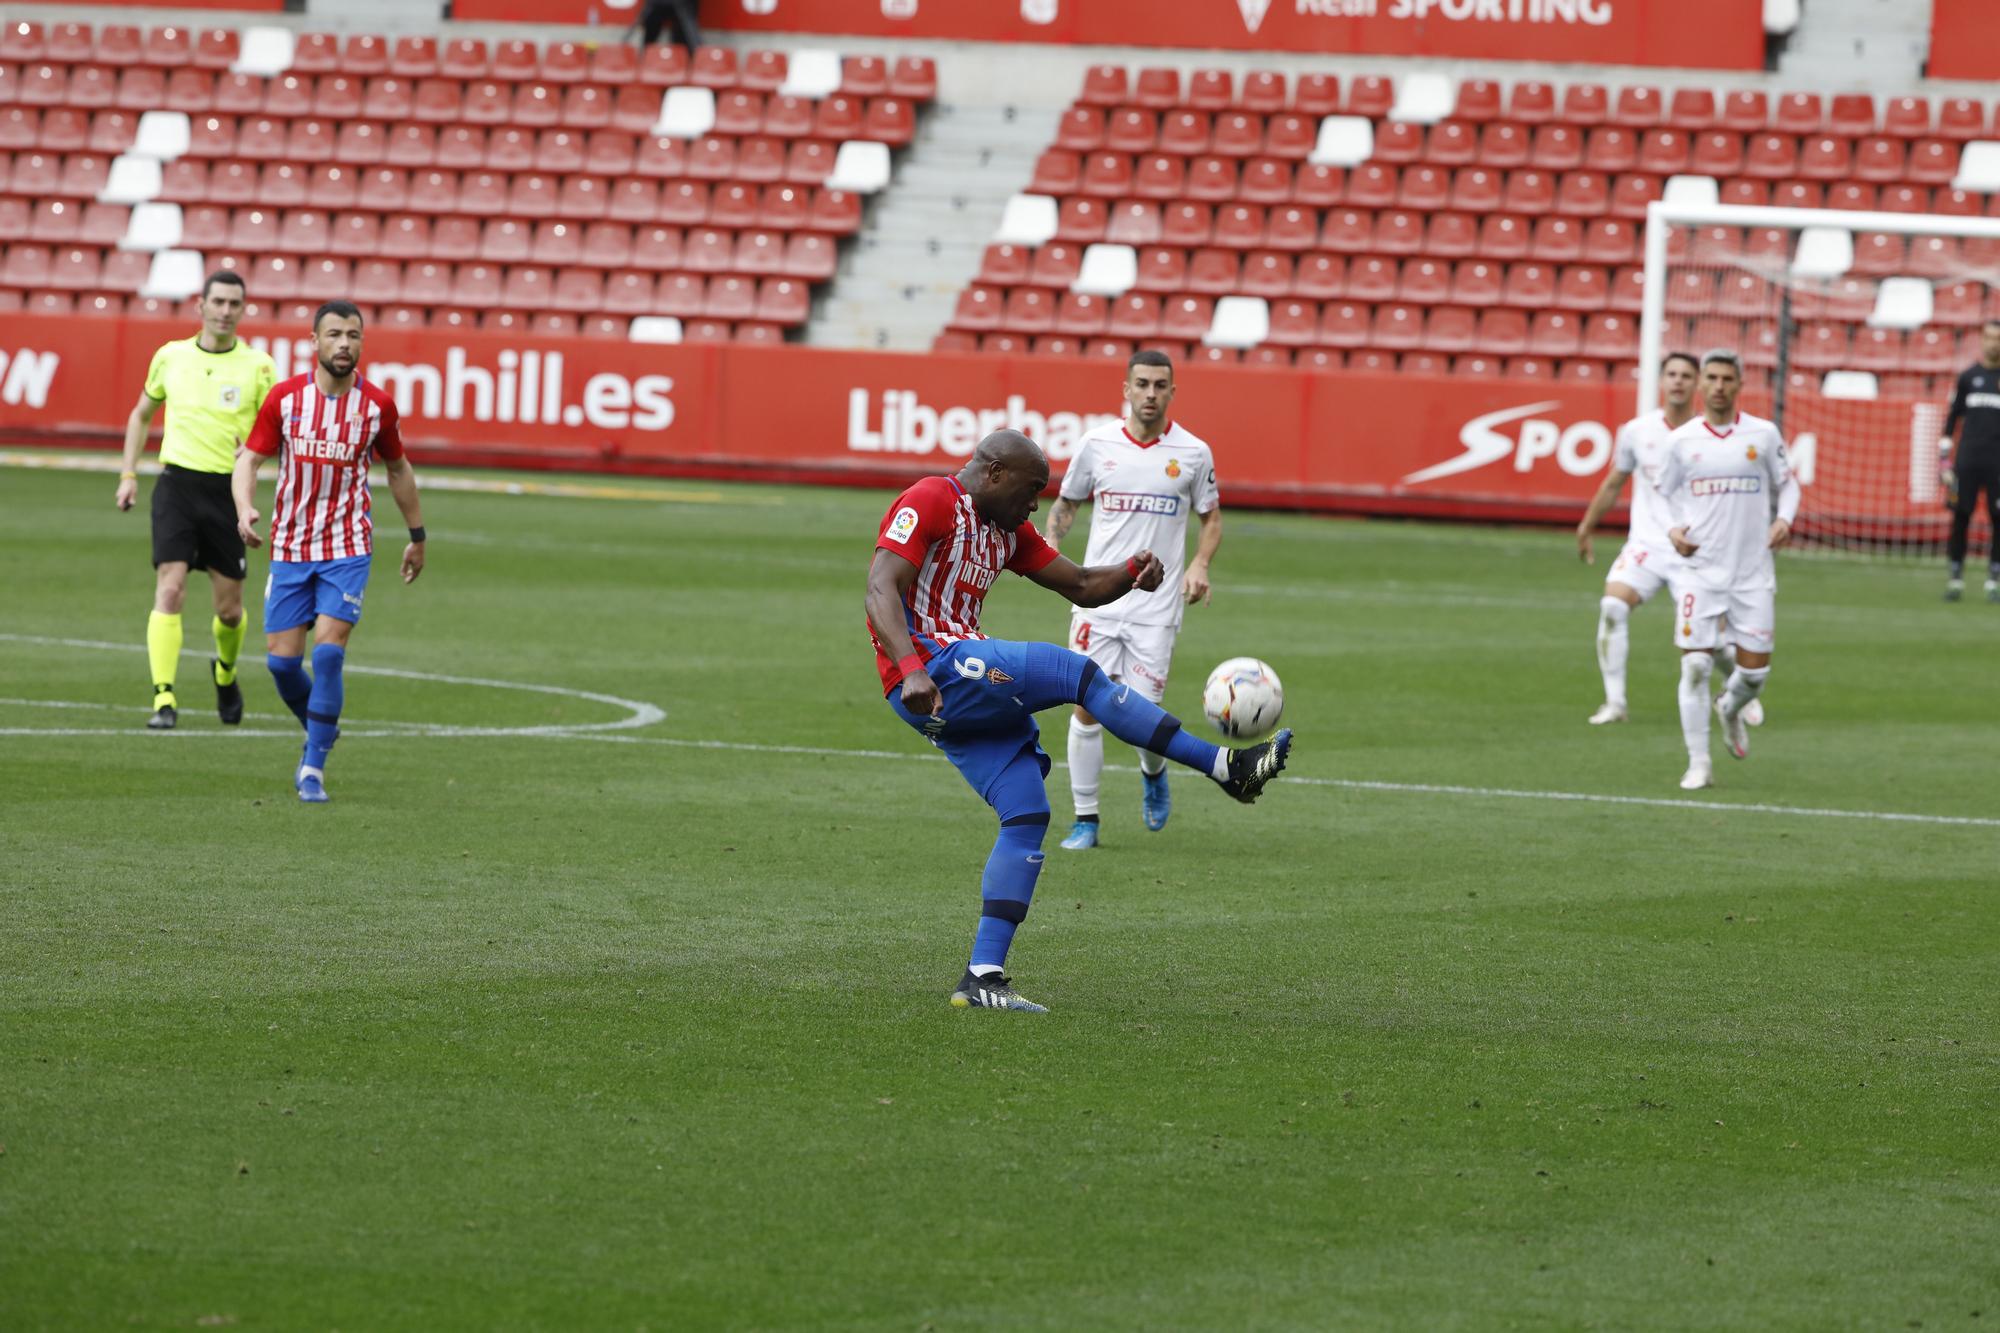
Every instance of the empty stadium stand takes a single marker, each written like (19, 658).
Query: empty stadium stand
(458, 184)
(1426, 224)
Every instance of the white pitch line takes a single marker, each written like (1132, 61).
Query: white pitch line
(637, 714)
(1356, 784)
(607, 731)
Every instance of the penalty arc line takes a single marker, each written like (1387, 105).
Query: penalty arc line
(638, 714)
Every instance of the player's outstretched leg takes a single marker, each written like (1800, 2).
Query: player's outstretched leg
(1614, 646)
(329, 693)
(1696, 668)
(1086, 774)
(1061, 676)
(1021, 801)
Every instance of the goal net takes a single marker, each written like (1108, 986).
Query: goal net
(1853, 327)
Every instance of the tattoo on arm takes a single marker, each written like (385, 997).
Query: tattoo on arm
(1061, 514)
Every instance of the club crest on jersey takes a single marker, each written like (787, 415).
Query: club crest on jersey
(1173, 467)
(1750, 453)
(1687, 631)
(901, 526)
(998, 677)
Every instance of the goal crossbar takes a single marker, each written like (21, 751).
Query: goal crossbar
(1662, 216)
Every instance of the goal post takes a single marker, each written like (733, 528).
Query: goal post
(1852, 327)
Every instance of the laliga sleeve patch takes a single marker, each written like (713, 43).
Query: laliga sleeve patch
(901, 526)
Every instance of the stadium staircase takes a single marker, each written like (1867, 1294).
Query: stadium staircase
(898, 281)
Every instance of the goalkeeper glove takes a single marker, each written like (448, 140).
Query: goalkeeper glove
(1947, 474)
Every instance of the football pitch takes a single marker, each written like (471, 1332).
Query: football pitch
(609, 992)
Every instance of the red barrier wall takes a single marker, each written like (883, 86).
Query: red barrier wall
(1965, 39)
(261, 6)
(1706, 34)
(1283, 437)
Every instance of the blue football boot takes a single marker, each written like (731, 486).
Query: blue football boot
(1082, 836)
(1159, 802)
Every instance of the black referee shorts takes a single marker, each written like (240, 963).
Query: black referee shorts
(194, 520)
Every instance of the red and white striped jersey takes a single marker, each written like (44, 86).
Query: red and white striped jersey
(327, 445)
(958, 554)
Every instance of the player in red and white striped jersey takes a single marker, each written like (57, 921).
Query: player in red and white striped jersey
(937, 552)
(325, 427)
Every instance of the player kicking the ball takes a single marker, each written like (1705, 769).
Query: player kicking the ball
(940, 547)
(327, 425)
(1141, 478)
(1646, 563)
(1720, 472)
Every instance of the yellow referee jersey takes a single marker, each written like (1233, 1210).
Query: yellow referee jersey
(212, 400)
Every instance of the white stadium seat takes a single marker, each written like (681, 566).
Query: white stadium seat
(153, 227)
(1903, 303)
(686, 113)
(1240, 321)
(1107, 270)
(1030, 219)
(1692, 191)
(133, 180)
(1824, 252)
(163, 135)
(1979, 168)
(1859, 385)
(1423, 99)
(175, 275)
(860, 167)
(266, 52)
(654, 329)
(811, 74)
(1344, 141)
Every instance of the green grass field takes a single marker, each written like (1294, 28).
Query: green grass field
(538, 1026)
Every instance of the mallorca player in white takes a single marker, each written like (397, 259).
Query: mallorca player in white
(1720, 473)
(1142, 478)
(1644, 565)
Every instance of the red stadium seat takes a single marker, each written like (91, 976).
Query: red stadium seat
(1370, 95)
(1134, 315)
(1502, 332)
(1880, 160)
(1531, 103)
(1503, 236)
(1631, 195)
(1161, 269)
(1320, 277)
(684, 203)
(1580, 194)
(1262, 93)
(1344, 324)
(1081, 130)
(1452, 143)
(1611, 148)
(1186, 317)
(1638, 106)
(1529, 192)
(1188, 223)
(216, 48)
(1372, 279)
(1316, 95)
(1503, 144)
(1474, 190)
(1663, 152)
(1746, 111)
(1424, 188)
(1799, 113)
(1933, 162)
(1372, 185)
(1961, 118)
(1586, 104)
(537, 104)
(1398, 141)
(1826, 159)
(914, 77)
(1451, 235)
(1692, 109)
(1104, 85)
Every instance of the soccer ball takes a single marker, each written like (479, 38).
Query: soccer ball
(1243, 698)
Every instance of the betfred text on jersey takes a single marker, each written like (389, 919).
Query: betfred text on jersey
(905, 424)
(1128, 502)
(1725, 485)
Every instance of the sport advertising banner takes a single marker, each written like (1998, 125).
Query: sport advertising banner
(1360, 443)
(1704, 34)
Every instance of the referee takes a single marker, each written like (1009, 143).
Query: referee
(1975, 465)
(214, 385)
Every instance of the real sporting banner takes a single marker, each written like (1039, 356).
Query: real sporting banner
(1364, 443)
(1707, 34)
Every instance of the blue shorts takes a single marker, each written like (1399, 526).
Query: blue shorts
(298, 591)
(991, 690)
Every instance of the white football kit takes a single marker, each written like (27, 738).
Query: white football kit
(1719, 484)
(1646, 562)
(1140, 497)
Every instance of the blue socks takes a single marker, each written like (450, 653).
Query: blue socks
(1133, 718)
(1008, 885)
(294, 685)
(329, 692)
